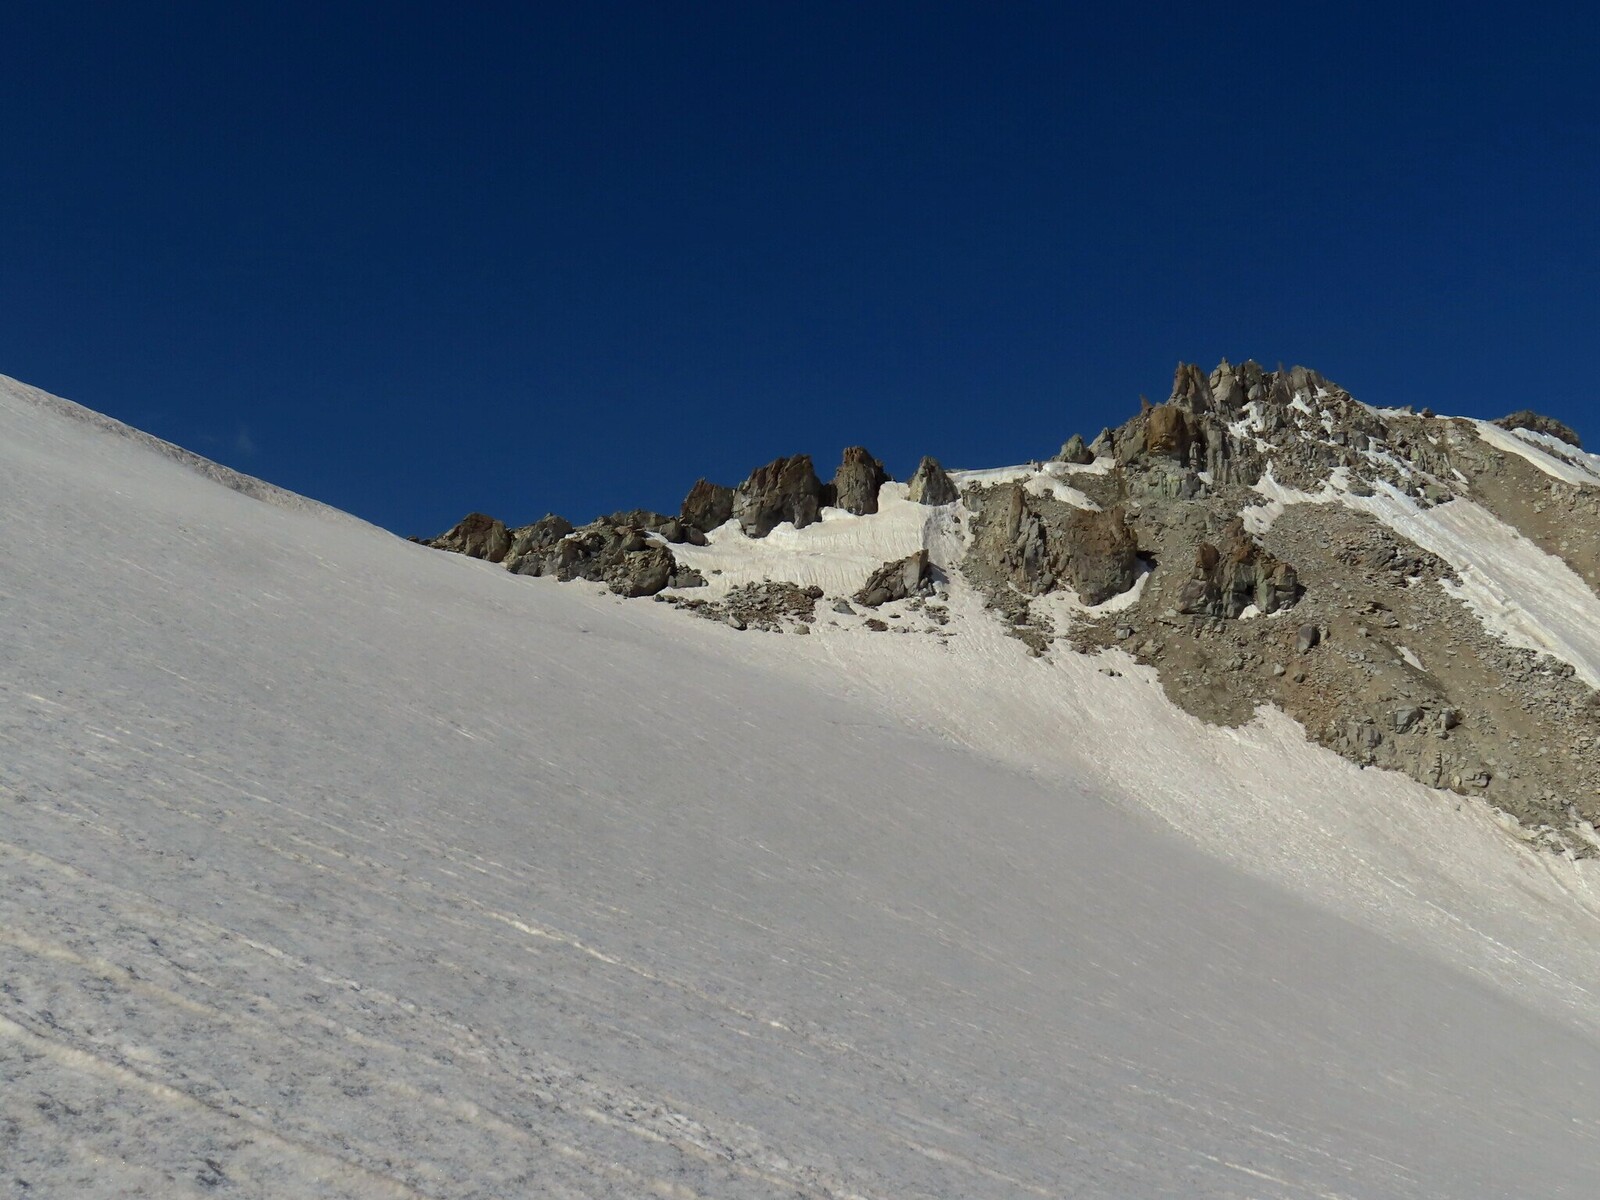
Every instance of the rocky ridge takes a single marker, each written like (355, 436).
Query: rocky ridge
(1248, 539)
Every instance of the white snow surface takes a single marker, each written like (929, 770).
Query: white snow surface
(336, 866)
(1039, 479)
(1550, 454)
(836, 553)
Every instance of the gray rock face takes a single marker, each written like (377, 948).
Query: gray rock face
(620, 556)
(642, 572)
(1362, 739)
(1304, 379)
(1528, 419)
(1307, 639)
(1034, 544)
(1074, 451)
(1190, 389)
(1168, 481)
(707, 506)
(896, 580)
(931, 485)
(676, 532)
(536, 539)
(786, 489)
(640, 518)
(1229, 578)
(477, 536)
(1228, 392)
(856, 482)
(1204, 444)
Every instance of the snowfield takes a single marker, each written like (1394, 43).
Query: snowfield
(331, 865)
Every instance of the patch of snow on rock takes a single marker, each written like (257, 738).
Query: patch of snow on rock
(1550, 454)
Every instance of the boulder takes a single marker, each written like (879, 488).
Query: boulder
(477, 536)
(535, 539)
(1098, 554)
(707, 506)
(1009, 546)
(676, 532)
(642, 572)
(1168, 432)
(1362, 739)
(856, 482)
(1538, 423)
(1239, 573)
(623, 557)
(931, 485)
(786, 489)
(896, 581)
(1074, 451)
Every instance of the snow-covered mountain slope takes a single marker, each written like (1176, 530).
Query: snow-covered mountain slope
(1432, 583)
(333, 865)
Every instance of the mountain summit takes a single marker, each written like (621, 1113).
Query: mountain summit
(1418, 591)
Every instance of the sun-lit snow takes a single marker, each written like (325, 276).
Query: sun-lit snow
(836, 553)
(1040, 479)
(335, 866)
(1550, 454)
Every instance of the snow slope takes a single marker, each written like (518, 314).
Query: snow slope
(1521, 593)
(1550, 454)
(337, 866)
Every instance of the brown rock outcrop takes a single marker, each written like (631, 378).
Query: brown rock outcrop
(476, 535)
(1231, 577)
(1099, 554)
(1033, 544)
(707, 506)
(856, 482)
(931, 485)
(1190, 388)
(786, 489)
(896, 580)
(1539, 423)
(623, 557)
(1168, 432)
(1073, 450)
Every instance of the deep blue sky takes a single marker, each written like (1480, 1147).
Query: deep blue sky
(415, 260)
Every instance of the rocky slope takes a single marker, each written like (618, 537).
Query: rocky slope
(1421, 593)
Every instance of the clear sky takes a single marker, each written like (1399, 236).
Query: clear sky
(420, 259)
